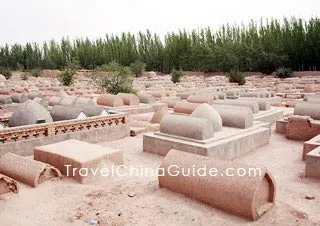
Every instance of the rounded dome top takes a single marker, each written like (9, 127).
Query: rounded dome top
(28, 113)
(2, 78)
(208, 112)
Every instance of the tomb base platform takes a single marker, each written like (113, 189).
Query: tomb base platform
(271, 115)
(281, 125)
(310, 145)
(138, 109)
(227, 144)
(313, 164)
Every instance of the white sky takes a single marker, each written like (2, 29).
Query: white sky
(39, 20)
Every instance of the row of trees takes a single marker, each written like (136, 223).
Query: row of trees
(263, 46)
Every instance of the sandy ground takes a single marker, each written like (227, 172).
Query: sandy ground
(107, 200)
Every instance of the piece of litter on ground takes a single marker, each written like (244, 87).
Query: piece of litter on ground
(131, 194)
(309, 197)
(93, 222)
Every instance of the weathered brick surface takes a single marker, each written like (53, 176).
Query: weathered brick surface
(302, 128)
(78, 155)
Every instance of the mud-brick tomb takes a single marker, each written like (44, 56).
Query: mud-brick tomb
(199, 123)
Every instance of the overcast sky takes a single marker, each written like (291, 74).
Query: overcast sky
(39, 20)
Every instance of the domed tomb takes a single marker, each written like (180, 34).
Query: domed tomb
(29, 113)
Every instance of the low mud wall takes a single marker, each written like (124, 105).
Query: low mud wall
(22, 140)
(295, 73)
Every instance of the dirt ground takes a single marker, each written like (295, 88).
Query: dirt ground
(139, 201)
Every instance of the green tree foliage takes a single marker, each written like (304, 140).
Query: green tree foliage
(67, 76)
(113, 78)
(74, 65)
(236, 77)
(19, 67)
(176, 75)
(36, 72)
(264, 46)
(25, 76)
(284, 72)
(138, 67)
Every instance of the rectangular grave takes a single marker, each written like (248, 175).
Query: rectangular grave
(313, 164)
(78, 154)
(227, 144)
(310, 145)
